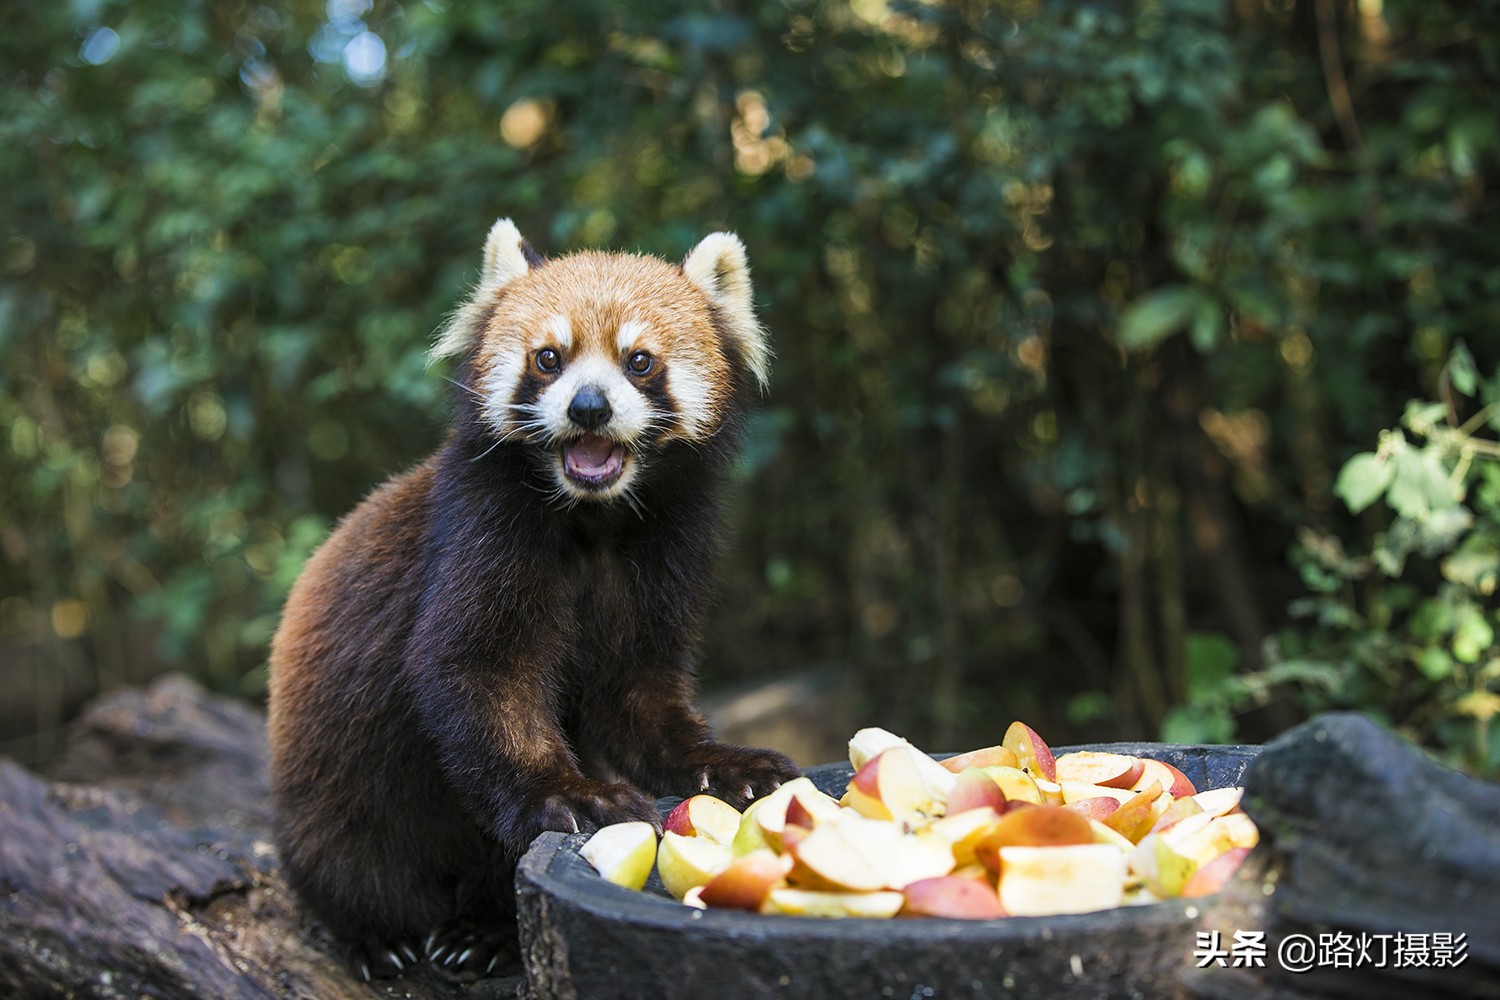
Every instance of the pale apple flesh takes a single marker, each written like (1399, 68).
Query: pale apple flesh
(685, 862)
(1078, 878)
(622, 853)
(1113, 770)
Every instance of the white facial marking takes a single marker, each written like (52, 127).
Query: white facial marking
(562, 330)
(498, 386)
(630, 331)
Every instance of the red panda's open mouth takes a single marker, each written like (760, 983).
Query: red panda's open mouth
(593, 460)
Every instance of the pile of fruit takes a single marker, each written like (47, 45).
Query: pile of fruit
(1009, 830)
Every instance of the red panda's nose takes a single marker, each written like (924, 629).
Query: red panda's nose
(589, 409)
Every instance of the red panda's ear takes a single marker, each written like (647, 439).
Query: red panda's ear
(718, 267)
(505, 260)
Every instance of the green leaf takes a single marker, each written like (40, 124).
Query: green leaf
(1473, 635)
(1462, 373)
(1161, 312)
(1363, 479)
(1475, 565)
(1198, 724)
(1210, 662)
(1434, 663)
(1420, 485)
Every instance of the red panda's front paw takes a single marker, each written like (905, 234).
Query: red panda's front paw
(587, 808)
(740, 775)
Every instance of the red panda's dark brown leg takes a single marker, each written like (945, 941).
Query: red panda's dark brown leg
(682, 757)
(502, 750)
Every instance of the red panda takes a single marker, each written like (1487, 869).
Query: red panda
(482, 633)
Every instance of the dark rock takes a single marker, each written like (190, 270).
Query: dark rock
(1365, 838)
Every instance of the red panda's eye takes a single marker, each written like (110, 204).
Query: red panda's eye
(639, 362)
(548, 360)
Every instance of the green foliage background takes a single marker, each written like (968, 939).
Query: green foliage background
(1079, 308)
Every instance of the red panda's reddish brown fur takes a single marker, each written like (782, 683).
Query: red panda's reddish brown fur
(527, 599)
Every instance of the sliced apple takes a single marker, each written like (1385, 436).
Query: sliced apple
(995, 756)
(808, 809)
(1215, 874)
(1097, 807)
(1112, 770)
(1072, 791)
(867, 744)
(965, 829)
(1168, 777)
(685, 862)
(704, 816)
(975, 789)
(1104, 835)
(974, 872)
(1051, 792)
(1031, 751)
(1041, 826)
(1038, 881)
(861, 855)
(813, 806)
(1134, 818)
(1017, 785)
(1218, 801)
(764, 818)
(1179, 810)
(746, 882)
(951, 896)
(878, 904)
(871, 742)
(1038, 826)
(1167, 860)
(622, 853)
(894, 786)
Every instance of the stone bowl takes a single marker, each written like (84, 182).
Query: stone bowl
(582, 937)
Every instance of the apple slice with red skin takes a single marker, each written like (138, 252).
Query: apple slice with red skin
(1133, 820)
(974, 789)
(1179, 810)
(1016, 784)
(861, 855)
(951, 896)
(1112, 770)
(867, 744)
(703, 815)
(1037, 826)
(1168, 777)
(995, 756)
(802, 814)
(1097, 807)
(747, 881)
(1031, 751)
(1072, 791)
(963, 830)
(1214, 875)
(893, 786)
